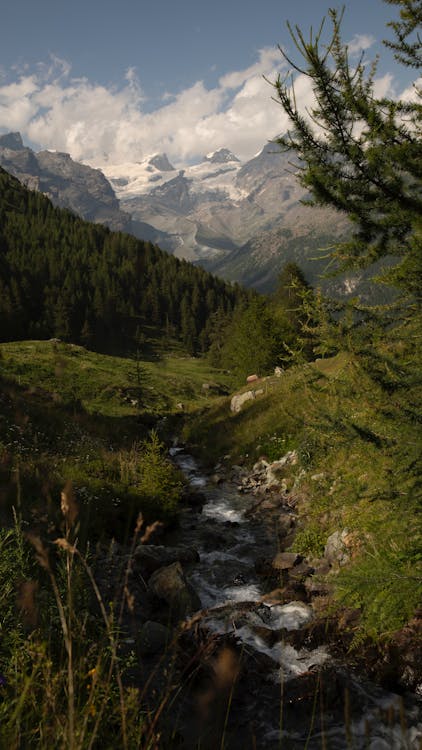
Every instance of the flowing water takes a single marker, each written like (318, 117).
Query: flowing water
(229, 542)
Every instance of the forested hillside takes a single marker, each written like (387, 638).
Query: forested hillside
(64, 277)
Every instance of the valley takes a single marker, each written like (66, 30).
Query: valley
(235, 607)
(243, 222)
(210, 485)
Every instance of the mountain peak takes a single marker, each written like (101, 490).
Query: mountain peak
(12, 141)
(221, 156)
(161, 162)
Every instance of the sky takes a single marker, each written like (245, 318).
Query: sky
(118, 81)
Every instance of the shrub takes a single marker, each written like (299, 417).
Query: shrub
(158, 481)
(309, 541)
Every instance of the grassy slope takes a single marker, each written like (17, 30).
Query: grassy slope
(105, 384)
(64, 415)
(70, 414)
(284, 411)
(358, 459)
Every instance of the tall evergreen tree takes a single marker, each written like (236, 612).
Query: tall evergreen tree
(359, 153)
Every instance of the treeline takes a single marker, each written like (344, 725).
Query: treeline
(63, 277)
(266, 332)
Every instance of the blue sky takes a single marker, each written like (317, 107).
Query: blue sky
(185, 75)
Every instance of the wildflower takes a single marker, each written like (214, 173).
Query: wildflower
(3, 681)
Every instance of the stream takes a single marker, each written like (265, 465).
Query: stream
(287, 696)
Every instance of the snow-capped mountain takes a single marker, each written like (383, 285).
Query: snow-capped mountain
(133, 179)
(243, 221)
(220, 211)
(222, 156)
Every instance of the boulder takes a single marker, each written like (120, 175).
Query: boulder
(335, 549)
(260, 466)
(276, 469)
(151, 557)
(271, 503)
(239, 399)
(276, 596)
(193, 498)
(300, 572)
(285, 524)
(216, 478)
(317, 584)
(170, 585)
(252, 378)
(263, 567)
(286, 560)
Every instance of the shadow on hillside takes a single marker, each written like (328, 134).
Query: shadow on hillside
(44, 444)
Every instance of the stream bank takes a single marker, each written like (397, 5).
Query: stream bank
(256, 661)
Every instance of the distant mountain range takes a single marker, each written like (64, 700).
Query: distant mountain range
(68, 184)
(243, 221)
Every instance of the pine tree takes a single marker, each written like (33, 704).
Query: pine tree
(361, 154)
(407, 44)
(292, 302)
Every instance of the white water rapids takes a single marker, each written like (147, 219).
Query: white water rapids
(230, 590)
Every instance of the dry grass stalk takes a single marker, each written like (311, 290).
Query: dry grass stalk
(26, 602)
(42, 557)
(68, 504)
(150, 530)
(41, 554)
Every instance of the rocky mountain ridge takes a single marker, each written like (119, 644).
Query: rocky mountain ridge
(243, 221)
(68, 184)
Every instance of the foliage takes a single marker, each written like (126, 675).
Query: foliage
(274, 446)
(105, 384)
(64, 277)
(265, 333)
(309, 541)
(61, 680)
(157, 478)
(385, 582)
(360, 154)
(251, 344)
(357, 435)
(407, 44)
(15, 567)
(291, 305)
(363, 156)
(68, 414)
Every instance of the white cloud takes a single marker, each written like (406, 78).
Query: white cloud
(17, 107)
(412, 93)
(90, 121)
(359, 43)
(96, 123)
(383, 86)
(269, 58)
